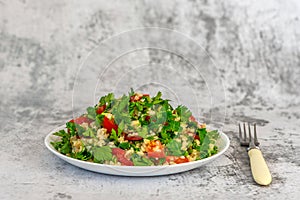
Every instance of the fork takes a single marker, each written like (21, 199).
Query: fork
(259, 168)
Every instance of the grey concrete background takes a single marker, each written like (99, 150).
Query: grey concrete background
(255, 44)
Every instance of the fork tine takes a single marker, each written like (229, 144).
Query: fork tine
(249, 129)
(240, 133)
(255, 136)
(245, 133)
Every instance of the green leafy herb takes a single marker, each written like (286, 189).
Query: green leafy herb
(184, 113)
(120, 110)
(106, 100)
(79, 129)
(157, 99)
(64, 146)
(114, 136)
(89, 133)
(102, 154)
(84, 154)
(143, 131)
(131, 93)
(161, 161)
(174, 148)
(124, 145)
(201, 133)
(72, 128)
(140, 161)
(99, 120)
(91, 113)
(207, 146)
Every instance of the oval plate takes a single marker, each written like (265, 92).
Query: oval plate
(223, 144)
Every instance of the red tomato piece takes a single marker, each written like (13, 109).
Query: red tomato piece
(181, 160)
(154, 144)
(170, 158)
(156, 154)
(132, 98)
(109, 124)
(125, 161)
(133, 138)
(100, 109)
(155, 149)
(192, 118)
(196, 137)
(120, 154)
(81, 120)
(137, 97)
(118, 151)
(177, 159)
(147, 118)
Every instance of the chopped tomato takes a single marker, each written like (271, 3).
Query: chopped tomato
(196, 137)
(132, 98)
(153, 145)
(155, 149)
(147, 118)
(137, 97)
(176, 159)
(181, 160)
(156, 154)
(120, 154)
(100, 109)
(133, 138)
(192, 118)
(81, 120)
(109, 124)
(170, 158)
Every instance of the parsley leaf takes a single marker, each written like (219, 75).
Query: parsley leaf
(102, 154)
(106, 100)
(140, 161)
(64, 146)
(120, 110)
(114, 136)
(184, 113)
(71, 127)
(91, 113)
(124, 145)
(84, 154)
(131, 93)
(99, 119)
(89, 133)
(143, 131)
(174, 148)
(79, 129)
(157, 99)
(201, 133)
(207, 147)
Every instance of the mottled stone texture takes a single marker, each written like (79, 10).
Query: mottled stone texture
(255, 44)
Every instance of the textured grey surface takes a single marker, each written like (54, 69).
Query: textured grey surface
(256, 45)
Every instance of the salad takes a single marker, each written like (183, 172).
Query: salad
(136, 130)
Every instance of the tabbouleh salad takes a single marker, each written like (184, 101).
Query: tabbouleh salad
(136, 130)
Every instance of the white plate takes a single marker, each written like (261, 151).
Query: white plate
(222, 143)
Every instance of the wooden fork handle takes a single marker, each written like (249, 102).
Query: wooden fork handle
(259, 168)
